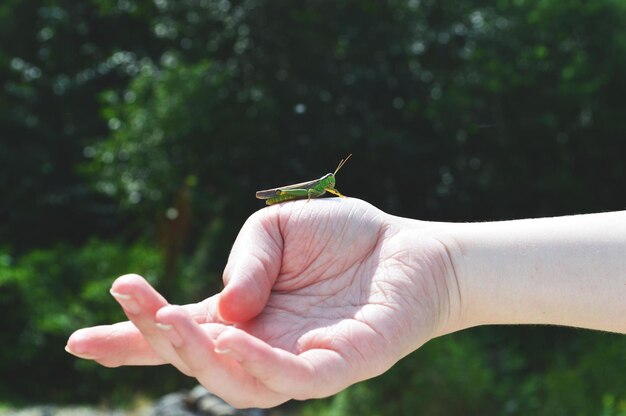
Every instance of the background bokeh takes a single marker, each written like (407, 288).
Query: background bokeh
(133, 134)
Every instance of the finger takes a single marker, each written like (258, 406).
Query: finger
(253, 266)
(141, 302)
(312, 374)
(123, 344)
(195, 345)
(205, 311)
(113, 345)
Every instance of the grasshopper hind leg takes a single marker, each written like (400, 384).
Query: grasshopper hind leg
(335, 192)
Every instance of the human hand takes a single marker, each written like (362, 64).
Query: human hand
(318, 295)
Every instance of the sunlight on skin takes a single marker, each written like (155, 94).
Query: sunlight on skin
(325, 291)
(322, 294)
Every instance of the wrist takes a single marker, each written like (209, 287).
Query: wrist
(478, 296)
(435, 286)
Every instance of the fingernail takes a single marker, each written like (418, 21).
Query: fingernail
(171, 333)
(227, 352)
(129, 303)
(78, 354)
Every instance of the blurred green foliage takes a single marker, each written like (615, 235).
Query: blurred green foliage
(466, 373)
(48, 292)
(133, 134)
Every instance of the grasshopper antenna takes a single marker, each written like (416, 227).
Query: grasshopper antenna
(343, 162)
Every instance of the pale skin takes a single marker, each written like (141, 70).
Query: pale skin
(322, 294)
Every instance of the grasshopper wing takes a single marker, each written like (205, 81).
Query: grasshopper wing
(269, 193)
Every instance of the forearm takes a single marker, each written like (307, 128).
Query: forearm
(562, 271)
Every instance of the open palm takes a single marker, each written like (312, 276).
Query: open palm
(318, 295)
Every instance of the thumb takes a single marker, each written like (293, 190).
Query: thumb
(252, 268)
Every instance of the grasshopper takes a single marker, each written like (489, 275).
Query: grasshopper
(309, 189)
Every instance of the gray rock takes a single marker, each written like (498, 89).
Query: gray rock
(198, 402)
(173, 404)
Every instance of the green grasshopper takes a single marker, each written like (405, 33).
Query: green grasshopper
(310, 189)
